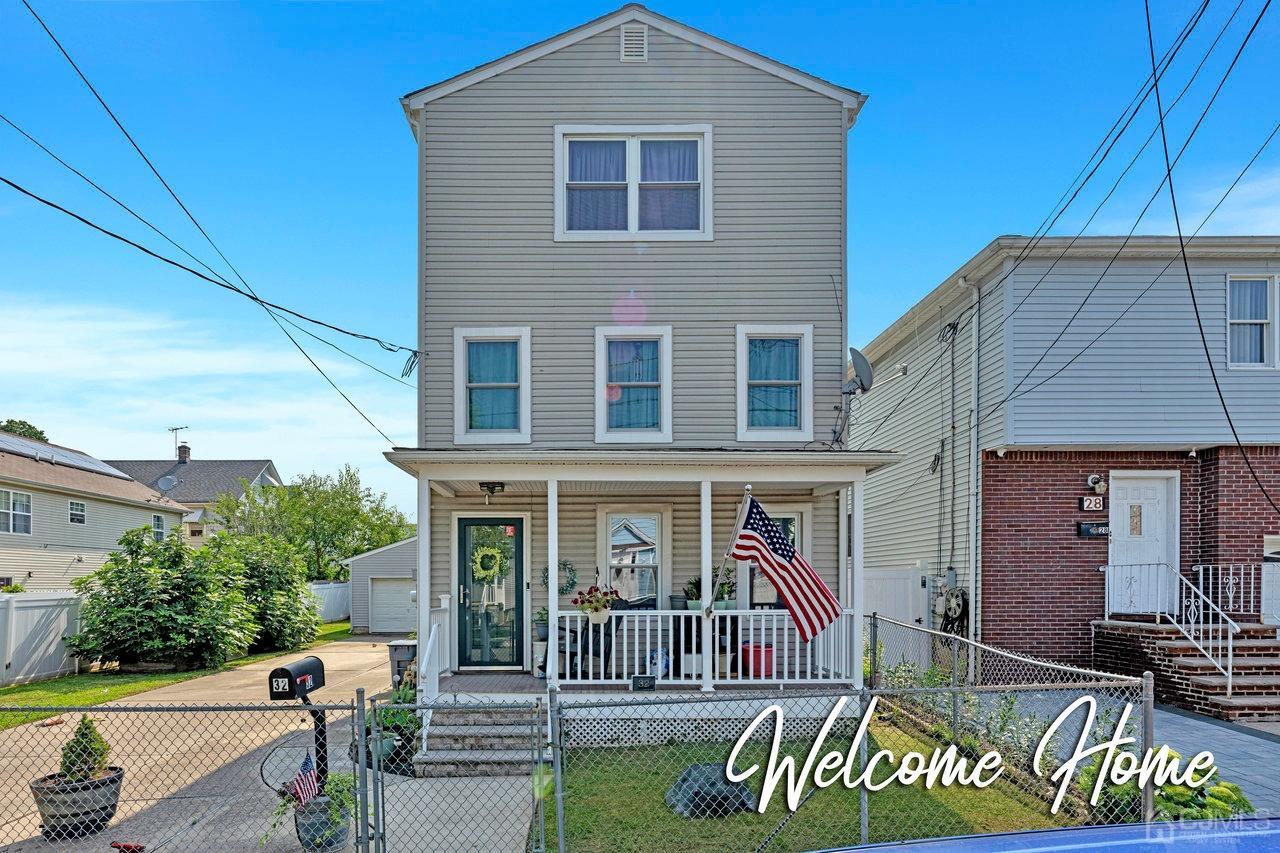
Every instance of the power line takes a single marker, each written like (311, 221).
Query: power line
(1186, 266)
(127, 209)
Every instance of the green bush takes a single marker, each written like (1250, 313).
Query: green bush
(13, 588)
(160, 602)
(84, 757)
(1123, 803)
(275, 586)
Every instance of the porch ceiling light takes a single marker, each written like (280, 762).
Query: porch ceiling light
(492, 488)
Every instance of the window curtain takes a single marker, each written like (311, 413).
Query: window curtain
(633, 406)
(1248, 343)
(597, 161)
(1248, 301)
(773, 360)
(493, 363)
(669, 208)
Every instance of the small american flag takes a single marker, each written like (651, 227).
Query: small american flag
(809, 601)
(305, 786)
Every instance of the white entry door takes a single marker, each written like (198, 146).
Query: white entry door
(1144, 534)
(391, 610)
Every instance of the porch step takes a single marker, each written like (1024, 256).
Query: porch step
(1243, 666)
(450, 763)
(1248, 648)
(1246, 707)
(482, 736)
(461, 715)
(1268, 685)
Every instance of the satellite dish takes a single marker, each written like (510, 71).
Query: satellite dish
(861, 380)
(167, 482)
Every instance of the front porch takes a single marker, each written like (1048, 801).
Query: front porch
(499, 532)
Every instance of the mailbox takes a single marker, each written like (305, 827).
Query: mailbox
(296, 680)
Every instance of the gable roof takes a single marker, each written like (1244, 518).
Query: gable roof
(57, 468)
(850, 98)
(200, 481)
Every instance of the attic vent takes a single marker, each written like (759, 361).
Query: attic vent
(635, 43)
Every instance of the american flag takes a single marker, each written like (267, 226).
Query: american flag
(305, 786)
(809, 601)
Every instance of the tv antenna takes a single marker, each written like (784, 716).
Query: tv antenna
(175, 431)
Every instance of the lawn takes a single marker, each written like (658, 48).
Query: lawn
(614, 801)
(94, 688)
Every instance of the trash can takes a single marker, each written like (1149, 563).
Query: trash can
(759, 658)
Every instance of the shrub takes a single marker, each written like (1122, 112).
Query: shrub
(159, 602)
(275, 586)
(84, 757)
(1123, 803)
(13, 588)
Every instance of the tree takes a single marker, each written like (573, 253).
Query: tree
(23, 428)
(161, 602)
(275, 586)
(327, 518)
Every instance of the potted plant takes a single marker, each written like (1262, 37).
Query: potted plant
(726, 595)
(693, 593)
(595, 602)
(541, 623)
(81, 798)
(323, 823)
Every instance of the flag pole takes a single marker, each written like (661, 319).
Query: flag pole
(728, 549)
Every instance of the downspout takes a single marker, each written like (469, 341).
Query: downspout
(974, 525)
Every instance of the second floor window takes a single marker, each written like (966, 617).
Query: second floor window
(15, 512)
(157, 527)
(633, 383)
(77, 512)
(775, 383)
(492, 395)
(1250, 322)
(618, 183)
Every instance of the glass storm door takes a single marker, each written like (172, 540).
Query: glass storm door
(491, 592)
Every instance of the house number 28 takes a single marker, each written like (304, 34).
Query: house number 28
(1092, 503)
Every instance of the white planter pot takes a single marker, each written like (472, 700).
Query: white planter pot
(598, 617)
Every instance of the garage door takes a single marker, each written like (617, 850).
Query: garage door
(390, 610)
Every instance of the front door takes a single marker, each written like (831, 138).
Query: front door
(1143, 540)
(491, 593)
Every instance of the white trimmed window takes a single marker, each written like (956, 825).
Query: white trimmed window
(157, 527)
(775, 382)
(77, 512)
(15, 512)
(760, 594)
(633, 384)
(491, 381)
(1251, 315)
(635, 548)
(648, 182)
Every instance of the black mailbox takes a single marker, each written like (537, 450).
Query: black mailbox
(295, 680)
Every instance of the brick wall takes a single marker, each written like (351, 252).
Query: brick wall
(1236, 516)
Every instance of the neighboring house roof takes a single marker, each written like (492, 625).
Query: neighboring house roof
(200, 481)
(852, 99)
(63, 469)
(1011, 246)
(350, 560)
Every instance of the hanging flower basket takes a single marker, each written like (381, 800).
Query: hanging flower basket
(595, 602)
(488, 564)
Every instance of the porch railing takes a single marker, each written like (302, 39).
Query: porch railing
(1234, 587)
(747, 647)
(1164, 592)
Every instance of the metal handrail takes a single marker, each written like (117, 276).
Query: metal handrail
(1201, 621)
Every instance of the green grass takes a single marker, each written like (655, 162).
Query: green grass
(614, 800)
(94, 688)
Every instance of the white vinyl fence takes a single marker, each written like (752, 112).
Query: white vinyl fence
(334, 600)
(32, 625)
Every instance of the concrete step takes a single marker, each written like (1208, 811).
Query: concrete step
(461, 715)
(482, 736)
(1246, 707)
(1243, 666)
(1249, 648)
(1265, 685)
(442, 763)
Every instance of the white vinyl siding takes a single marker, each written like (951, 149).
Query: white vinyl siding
(76, 512)
(15, 512)
(633, 183)
(1251, 321)
(775, 382)
(633, 384)
(492, 377)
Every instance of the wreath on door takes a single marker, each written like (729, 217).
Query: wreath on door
(488, 564)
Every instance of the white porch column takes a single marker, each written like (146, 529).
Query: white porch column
(858, 581)
(422, 591)
(842, 548)
(553, 583)
(708, 594)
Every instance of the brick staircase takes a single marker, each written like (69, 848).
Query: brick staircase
(484, 741)
(1185, 677)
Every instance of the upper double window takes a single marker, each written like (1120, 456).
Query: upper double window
(1251, 307)
(633, 183)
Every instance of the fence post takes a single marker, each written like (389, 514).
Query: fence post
(378, 839)
(1148, 742)
(557, 765)
(955, 696)
(362, 784)
(864, 819)
(874, 680)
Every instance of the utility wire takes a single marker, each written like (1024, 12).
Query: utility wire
(127, 209)
(1186, 266)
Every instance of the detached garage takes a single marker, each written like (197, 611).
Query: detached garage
(381, 586)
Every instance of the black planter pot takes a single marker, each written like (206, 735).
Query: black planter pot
(678, 602)
(317, 831)
(76, 809)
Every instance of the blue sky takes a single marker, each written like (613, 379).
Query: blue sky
(280, 127)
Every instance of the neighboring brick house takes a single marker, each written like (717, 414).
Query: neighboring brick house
(199, 483)
(999, 451)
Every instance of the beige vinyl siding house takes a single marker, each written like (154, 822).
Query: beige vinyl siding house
(632, 293)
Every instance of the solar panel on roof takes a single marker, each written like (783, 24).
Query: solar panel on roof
(39, 451)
